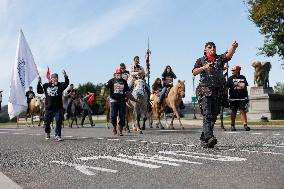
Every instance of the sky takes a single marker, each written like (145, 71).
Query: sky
(90, 38)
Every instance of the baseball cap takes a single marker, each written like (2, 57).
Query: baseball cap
(236, 68)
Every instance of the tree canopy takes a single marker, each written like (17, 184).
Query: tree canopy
(268, 16)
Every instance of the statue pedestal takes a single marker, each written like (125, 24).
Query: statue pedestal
(263, 102)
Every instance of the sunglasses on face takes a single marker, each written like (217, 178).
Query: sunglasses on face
(211, 47)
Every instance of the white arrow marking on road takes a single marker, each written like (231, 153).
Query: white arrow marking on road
(149, 158)
(203, 156)
(163, 158)
(84, 168)
(131, 162)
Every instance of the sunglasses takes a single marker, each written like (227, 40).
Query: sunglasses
(211, 47)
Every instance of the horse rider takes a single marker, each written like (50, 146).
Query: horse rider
(88, 100)
(29, 95)
(53, 102)
(124, 72)
(210, 67)
(167, 77)
(157, 86)
(71, 94)
(118, 91)
(238, 99)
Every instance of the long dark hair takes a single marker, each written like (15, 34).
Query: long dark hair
(156, 80)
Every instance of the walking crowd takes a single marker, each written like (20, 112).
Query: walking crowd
(213, 87)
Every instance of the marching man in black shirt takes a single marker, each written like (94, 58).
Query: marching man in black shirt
(118, 91)
(238, 93)
(53, 102)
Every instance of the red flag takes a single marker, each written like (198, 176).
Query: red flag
(91, 100)
(48, 74)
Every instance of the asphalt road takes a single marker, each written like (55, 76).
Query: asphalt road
(93, 158)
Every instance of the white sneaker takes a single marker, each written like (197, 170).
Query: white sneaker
(47, 136)
(58, 138)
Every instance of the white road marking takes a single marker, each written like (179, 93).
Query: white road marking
(279, 146)
(124, 160)
(154, 142)
(232, 132)
(84, 168)
(166, 143)
(203, 156)
(274, 153)
(3, 132)
(83, 137)
(6, 182)
(19, 133)
(12, 129)
(143, 141)
(100, 138)
(277, 134)
(68, 136)
(36, 134)
(131, 140)
(148, 158)
(164, 158)
(113, 139)
(256, 133)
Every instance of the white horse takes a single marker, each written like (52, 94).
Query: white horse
(138, 110)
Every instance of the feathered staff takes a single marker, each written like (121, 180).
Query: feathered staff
(148, 52)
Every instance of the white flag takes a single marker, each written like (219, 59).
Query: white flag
(24, 72)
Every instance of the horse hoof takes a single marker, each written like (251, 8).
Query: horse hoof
(140, 132)
(162, 128)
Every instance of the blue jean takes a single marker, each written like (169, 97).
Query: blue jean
(162, 94)
(48, 118)
(118, 109)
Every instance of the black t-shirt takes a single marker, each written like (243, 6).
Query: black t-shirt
(118, 89)
(30, 95)
(235, 91)
(53, 94)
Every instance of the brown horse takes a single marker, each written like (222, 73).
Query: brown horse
(33, 109)
(76, 107)
(172, 101)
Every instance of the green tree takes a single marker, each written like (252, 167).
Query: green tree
(279, 88)
(268, 16)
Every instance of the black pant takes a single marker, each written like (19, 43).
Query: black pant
(211, 108)
(85, 113)
(118, 108)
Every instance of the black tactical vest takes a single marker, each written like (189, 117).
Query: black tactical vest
(214, 77)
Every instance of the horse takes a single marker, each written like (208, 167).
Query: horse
(138, 109)
(76, 106)
(172, 101)
(33, 109)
